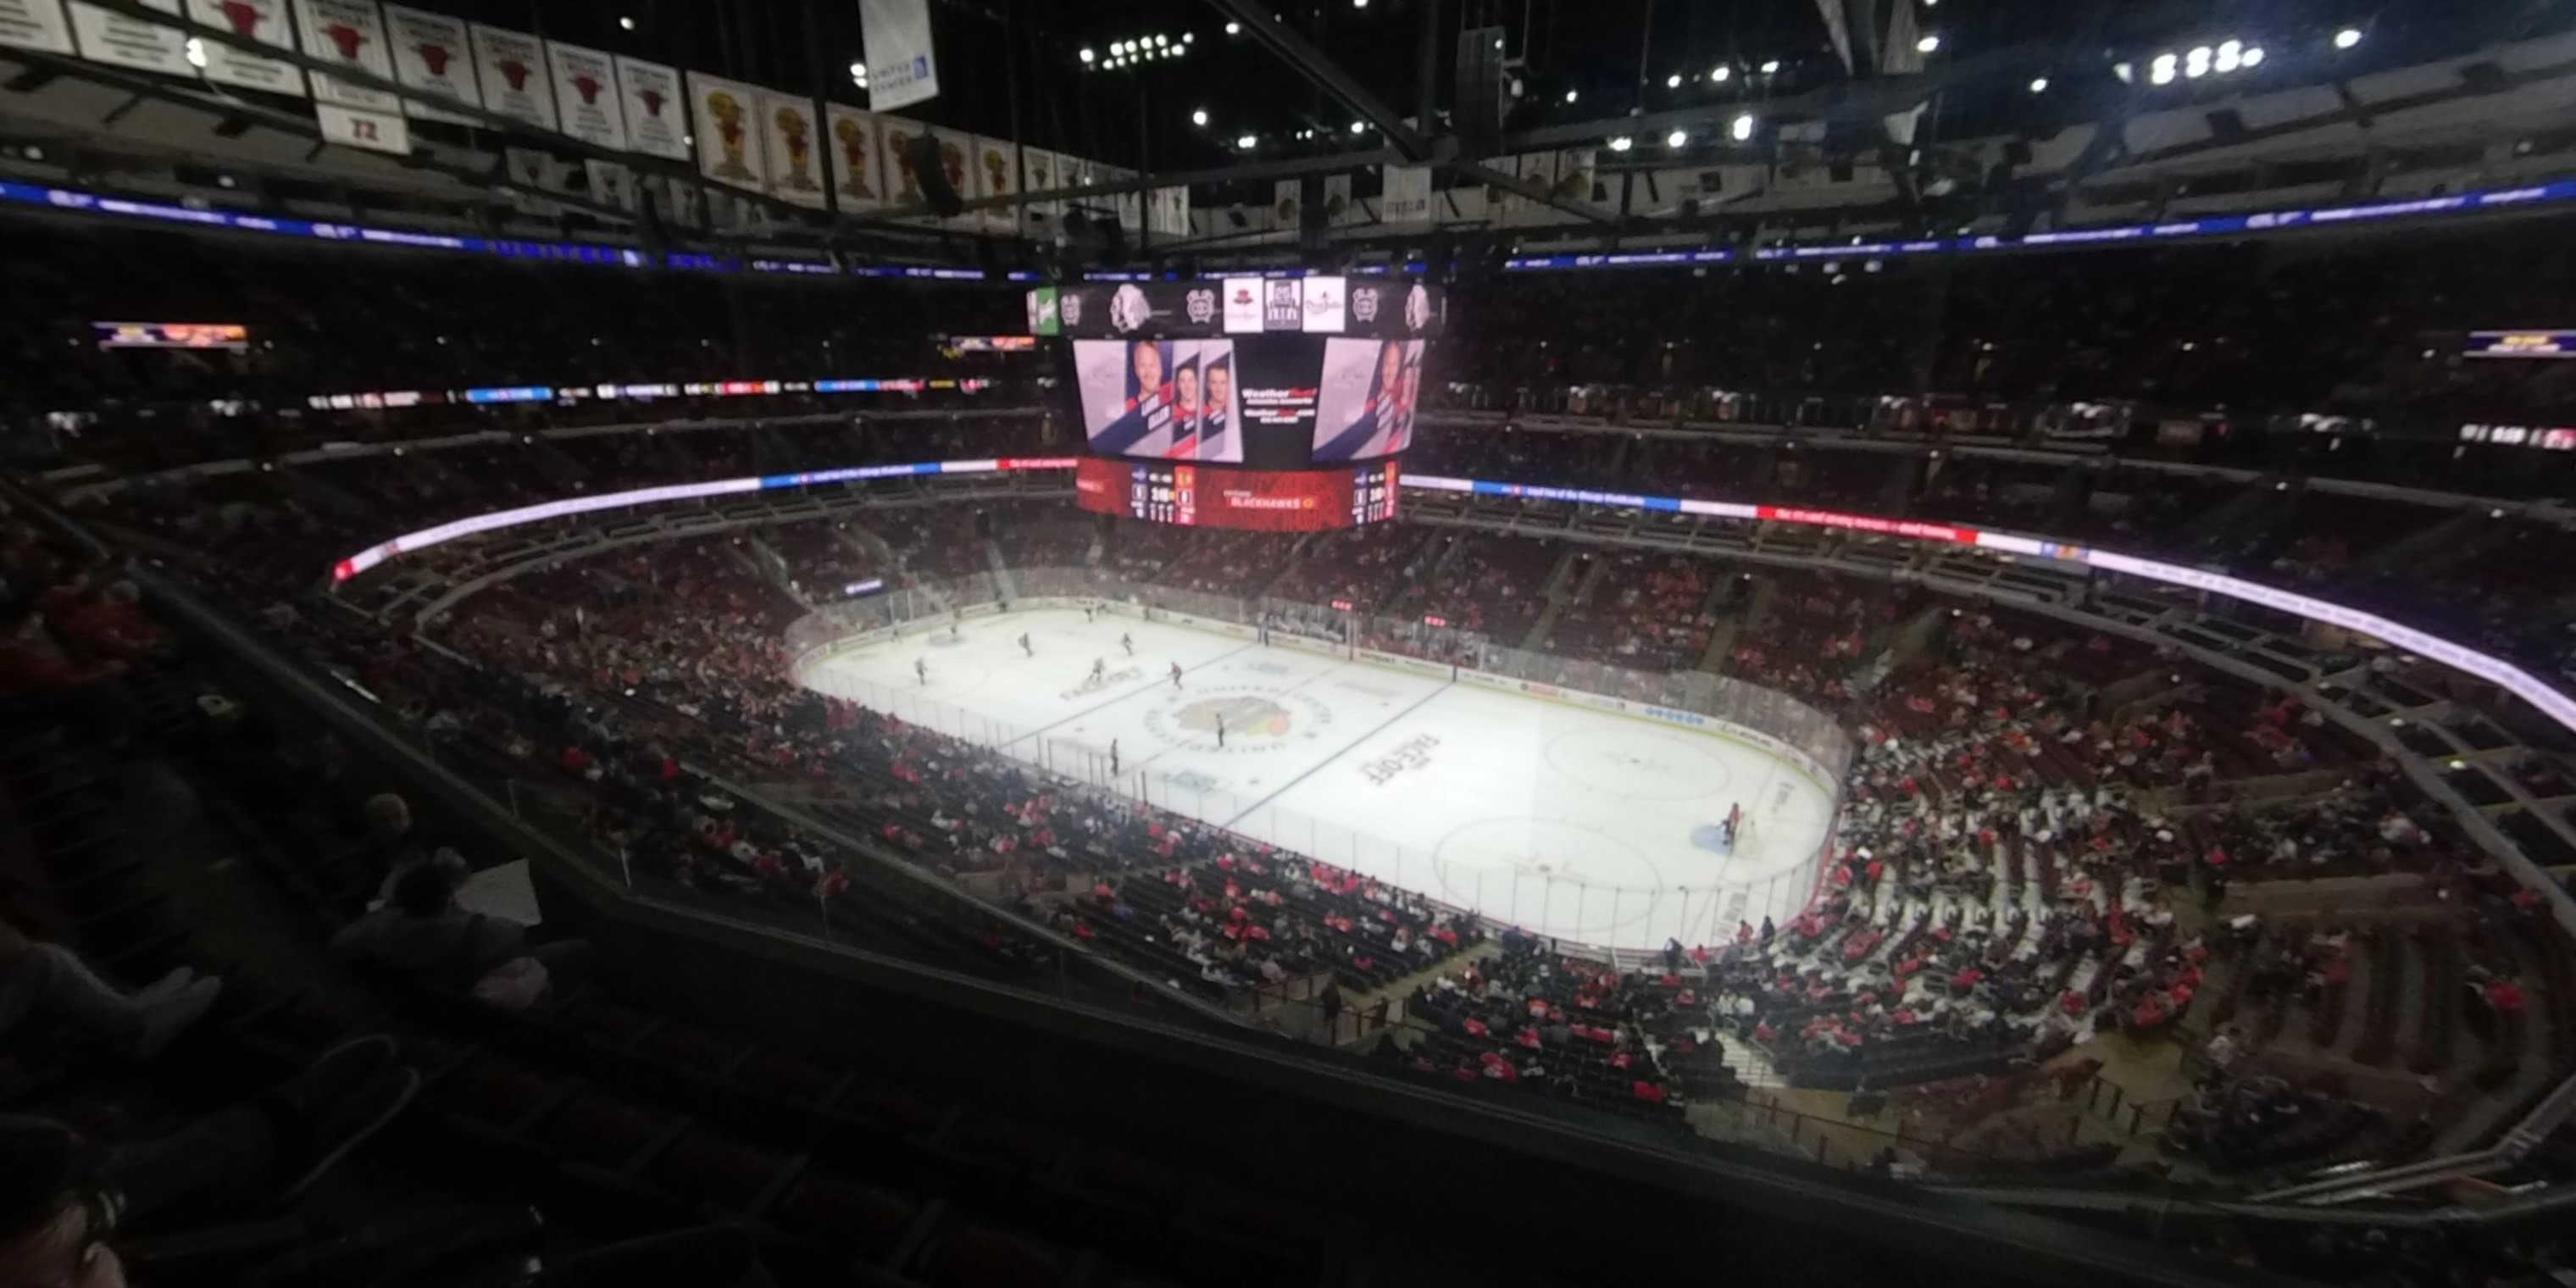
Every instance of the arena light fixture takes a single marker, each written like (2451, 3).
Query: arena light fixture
(2252, 57)
(1189, 37)
(2196, 63)
(1199, 117)
(1721, 74)
(2347, 38)
(1247, 142)
(2231, 55)
(1359, 127)
(625, 23)
(195, 52)
(1673, 81)
(2163, 69)
(2038, 84)
(1234, 29)
(1677, 139)
(1930, 43)
(1622, 143)
(1742, 128)
(1571, 95)
(1088, 54)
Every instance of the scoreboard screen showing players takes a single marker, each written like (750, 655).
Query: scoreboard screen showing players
(1268, 373)
(171, 335)
(1221, 496)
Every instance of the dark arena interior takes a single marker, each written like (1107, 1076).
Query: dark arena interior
(1066, 644)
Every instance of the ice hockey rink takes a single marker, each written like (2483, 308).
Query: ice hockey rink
(1590, 825)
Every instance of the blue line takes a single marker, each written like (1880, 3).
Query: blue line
(1346, 750)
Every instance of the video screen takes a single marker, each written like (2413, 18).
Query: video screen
(1165, 399)
(171, 335)
(1365, 402)
(1218, 496)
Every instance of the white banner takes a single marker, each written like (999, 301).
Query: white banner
(611, 183)
(793, 143)
(728, 138)
(656, 125)
(265, 21)
(1576, 170)
(675, 199)
(35, 24)
(997, 174)
(1339, 209)
(358, 128)
(1167, 211)
(1129, 205)
(511, 68)
(897, 135)
(1407, 199)
(586, 101)
(123, 42)
(1041, 171)
(432, 56)
(896, 35)
(858, 157)
(1283, 204)
(351, 34)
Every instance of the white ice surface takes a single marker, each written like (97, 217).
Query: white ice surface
(1561, 819)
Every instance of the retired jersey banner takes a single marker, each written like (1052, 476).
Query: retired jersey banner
(656, 125)
(997, 174)
(793, 142)
(432, 57)
(858, 157)
(265, 21)
(729, 136)
(1283, 204)
(896, 34)
(611, 184)
(350, 34)
(1041, 171)
(1407, 197)
(123, 42)
(358, 128)
(586, 100)
(35, 24)
(510, 67)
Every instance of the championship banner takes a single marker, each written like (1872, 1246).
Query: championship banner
(510, 66)
(793, 143)
(897, 135)
(265, 21)
(351, 34)
(586, 100)
(1041, 172)
(1576, 171)
(729, 139)
(858, 157)
(896, 36)
(1339, 209)
(123, 42)
(1283, 204)
(1129, 205)
(611, 183)
(432, 56)
(35, 24)
(997, 167)
(650, 98)
(1407, 198)
(1167, 211)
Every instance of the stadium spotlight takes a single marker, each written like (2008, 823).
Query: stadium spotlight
(2252, 57)
(1199, 117)
(1189, 37)
(2196, 63)
(2347, 38)
(1771, 67)
(859, 73)
(1359, 4)
(1158, 40)
(625, 23)
(1359, 127)
(1721, 73)
(1622, 143)
(2128, 75)
(1930, 42)
(195, 52)
(1742, 129)
(2161, 71)
(1677, 139)
(1088, 54)
(2038, 84)
(2231, 54)
(1246, 142)
(1673, 81)
(1571, 95)
(1234, 29)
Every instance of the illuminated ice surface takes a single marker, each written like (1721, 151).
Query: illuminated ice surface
(1589, 825)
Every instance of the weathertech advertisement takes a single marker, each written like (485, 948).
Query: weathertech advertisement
(1215, 496)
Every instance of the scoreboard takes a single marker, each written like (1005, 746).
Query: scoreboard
(1222, 496)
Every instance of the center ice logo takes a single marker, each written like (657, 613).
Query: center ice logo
(1242, 715)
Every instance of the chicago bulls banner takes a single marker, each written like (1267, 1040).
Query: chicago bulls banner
(510, 67)
(265, 21)
(35, 24)
(728, 130)
(351, 34)
(586, 100)
(794, 143)
(432, 56)
(858, 157)
(656, 124)
(123, 42)
(901, 182)
(996, 174)
(1042, 171)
